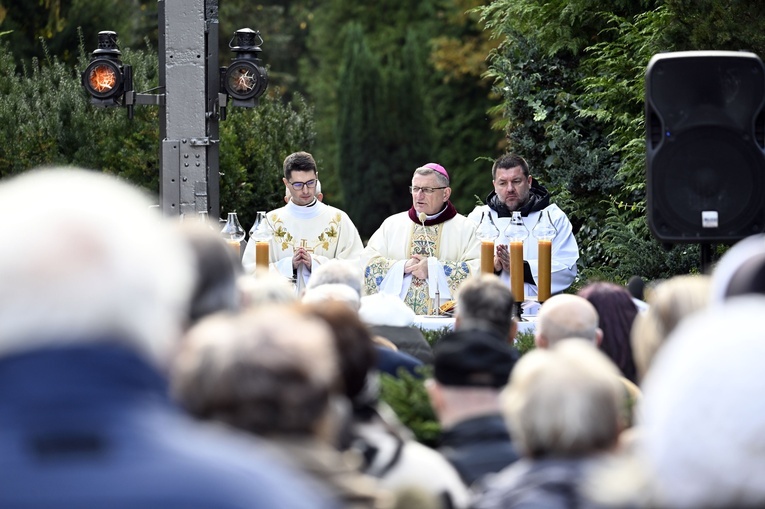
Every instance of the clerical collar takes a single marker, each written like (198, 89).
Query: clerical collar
(305, 211)
(314, 202)
(448, 212)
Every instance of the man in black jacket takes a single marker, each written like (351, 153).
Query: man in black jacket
(470, 368)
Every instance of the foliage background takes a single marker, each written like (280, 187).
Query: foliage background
(375, 90)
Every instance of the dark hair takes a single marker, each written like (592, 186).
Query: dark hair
(355, 349)
(299, 161)
(616, 312)
(508, 161)
(217, 272)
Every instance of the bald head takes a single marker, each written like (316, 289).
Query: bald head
(566, 316)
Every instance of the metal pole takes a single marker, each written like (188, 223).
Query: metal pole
(188, 126)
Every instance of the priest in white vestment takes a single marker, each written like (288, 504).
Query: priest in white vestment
(423, 255)
(516, 190)
(306, 232)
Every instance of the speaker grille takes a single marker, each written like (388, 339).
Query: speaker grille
(708, 169)
(704, 145)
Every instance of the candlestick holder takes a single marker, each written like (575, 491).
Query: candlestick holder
(545, 232)
(487, 232)
(516, 233)
(261, 233)
(233, 233)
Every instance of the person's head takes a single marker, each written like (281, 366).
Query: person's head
(430, 188)
(566, 316)
(671, 301)
(333, 292)
(636, 287)
(253, 373)
(740, 271)
(701, 422)
(473, 358)
(353, 344)
(336, 271)
(485, 302)
(267, 288)
(301, 177)
(564, 401)
(218, 269)
(616, 312)
(385, 309)
(511, 179)
(84, 259)
(469, 369)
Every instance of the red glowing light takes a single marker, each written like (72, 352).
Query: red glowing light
(102, 79)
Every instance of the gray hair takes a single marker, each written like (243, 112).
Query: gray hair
(336, 271)
(266, 371)
(424, 171)
(485, 302)
(703, 385)
(89, 261)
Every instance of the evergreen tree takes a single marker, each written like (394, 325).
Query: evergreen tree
(571, 74)
(362, 172)
(456, 98)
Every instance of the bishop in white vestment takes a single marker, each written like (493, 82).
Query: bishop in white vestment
(424, 254)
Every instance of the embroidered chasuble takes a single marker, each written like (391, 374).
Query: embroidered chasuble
(325, 231)
(452, 244)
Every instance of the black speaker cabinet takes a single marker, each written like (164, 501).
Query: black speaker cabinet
(705, 146)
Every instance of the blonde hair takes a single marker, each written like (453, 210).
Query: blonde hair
(670, 302)
(564, 401)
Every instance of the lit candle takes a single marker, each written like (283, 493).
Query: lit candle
(545, 269)
(487, 257)
(261, 254)
(516, 270)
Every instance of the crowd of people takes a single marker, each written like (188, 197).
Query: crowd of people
(141, 365)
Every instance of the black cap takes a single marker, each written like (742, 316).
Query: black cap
(474, 358)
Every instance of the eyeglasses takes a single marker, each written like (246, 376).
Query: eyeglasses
(426, 190)
(299, 185)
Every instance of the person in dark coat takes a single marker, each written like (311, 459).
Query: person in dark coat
(95, 291)
(470, 368)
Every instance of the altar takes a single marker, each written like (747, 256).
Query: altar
(427, 322)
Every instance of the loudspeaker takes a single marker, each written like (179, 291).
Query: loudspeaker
(705, 146)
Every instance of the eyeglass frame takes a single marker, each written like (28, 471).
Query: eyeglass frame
(430, 190)
(310, 184)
